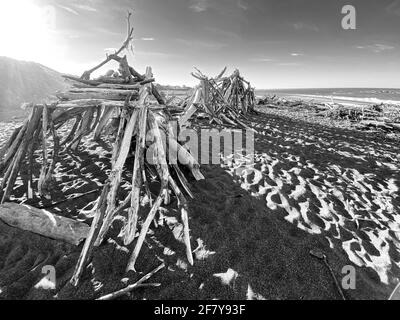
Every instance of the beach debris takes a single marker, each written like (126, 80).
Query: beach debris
(320, 256)
(383, 117)
(128, 106)
(224, 100)
(251, 295)
(227, 278)
(134, 286)
(44, 223)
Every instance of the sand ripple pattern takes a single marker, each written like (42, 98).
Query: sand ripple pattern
(339, 184)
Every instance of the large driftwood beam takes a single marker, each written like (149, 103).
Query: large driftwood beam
(111, 80)
(117, 86)
(120, 86)
(88, 103)
(83, 104)
(44, 223)
(87, 82)
(107, 94)
(100, 90)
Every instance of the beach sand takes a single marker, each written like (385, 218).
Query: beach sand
(311, 187)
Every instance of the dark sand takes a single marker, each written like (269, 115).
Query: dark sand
(250, 240)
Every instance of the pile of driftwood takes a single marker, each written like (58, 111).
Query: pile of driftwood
(224, 100)
(382, 117)
(131, 101)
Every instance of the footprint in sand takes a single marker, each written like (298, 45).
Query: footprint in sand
(326, 184)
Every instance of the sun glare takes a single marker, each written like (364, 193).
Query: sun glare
(25, 30)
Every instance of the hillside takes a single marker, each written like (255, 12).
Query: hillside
(21, 82)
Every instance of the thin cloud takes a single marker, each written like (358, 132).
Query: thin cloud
(220, 5)
(376, 48)
(295, 54)
(156, 54)
(288, 64)
(305, 26)
(68, 9)
(147, 39)
(199, 44)
(262, 60)
(85, 7)
(221, 32)
(199, 5)
(242, 5)
(393, 8)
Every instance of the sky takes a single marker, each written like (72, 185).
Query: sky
(274, 43)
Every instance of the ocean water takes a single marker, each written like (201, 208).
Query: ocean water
(348, 96)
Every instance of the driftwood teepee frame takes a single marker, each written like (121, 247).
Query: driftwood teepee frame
(143, 126)
(224, 99)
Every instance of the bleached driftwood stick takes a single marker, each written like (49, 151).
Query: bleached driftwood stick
(43, 170)
(185, 218)
(92, 236)
(105, 117)
(133, 286)
(14, 167)
(191, 110)
(162, 169)
(116, 176)
(130, 229)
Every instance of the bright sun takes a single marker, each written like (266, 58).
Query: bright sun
(26, 30)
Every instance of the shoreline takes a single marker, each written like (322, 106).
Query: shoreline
(351, 101)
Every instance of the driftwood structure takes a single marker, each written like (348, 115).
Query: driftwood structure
(383, 118)
(225, 100)
(130, 101)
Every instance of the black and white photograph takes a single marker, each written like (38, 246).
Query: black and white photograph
(194, 155)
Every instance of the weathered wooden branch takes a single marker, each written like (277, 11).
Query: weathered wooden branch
(94, 94)
(130, 229)
(131, 287)
(44, 223)
(92, 236)
(86, 75)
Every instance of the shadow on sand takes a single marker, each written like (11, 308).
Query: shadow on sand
(252, 233)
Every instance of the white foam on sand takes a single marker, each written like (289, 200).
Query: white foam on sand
(351, 100)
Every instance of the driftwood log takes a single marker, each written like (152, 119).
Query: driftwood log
(44, 223)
